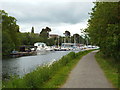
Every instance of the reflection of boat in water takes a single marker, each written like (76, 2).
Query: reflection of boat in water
(42, 48)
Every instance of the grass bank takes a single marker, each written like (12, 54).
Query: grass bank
(52, 76)
(110, 68)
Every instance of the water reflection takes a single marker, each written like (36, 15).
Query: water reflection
(23, 65)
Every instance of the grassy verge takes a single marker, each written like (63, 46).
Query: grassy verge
(52, 76)
(110, 68)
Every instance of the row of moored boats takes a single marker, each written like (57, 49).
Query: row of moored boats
(42, 47)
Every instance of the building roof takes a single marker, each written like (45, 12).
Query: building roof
(53, 35)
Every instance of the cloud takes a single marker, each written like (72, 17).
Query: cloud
(59, 28)
(40, 13)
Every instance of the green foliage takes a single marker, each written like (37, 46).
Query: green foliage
(29, 38)
(10, 32)
(110, 68)
(67, 33)
(32, 30)
(7, 43)
(45, 32)
(49, 76)
(103, 28)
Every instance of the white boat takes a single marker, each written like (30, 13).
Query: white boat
(41, 47)
(67, 46)
(50, 48)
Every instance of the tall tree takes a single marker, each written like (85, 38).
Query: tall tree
(103, 27)
(67, 36)
(76, 38)
(45, 32)
(9, 32)
(67, 33)
(32, 30)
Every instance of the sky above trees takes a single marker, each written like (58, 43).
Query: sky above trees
(59, 15)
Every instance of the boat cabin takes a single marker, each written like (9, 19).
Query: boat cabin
(39, 44)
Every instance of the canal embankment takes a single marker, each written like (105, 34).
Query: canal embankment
(49, 76)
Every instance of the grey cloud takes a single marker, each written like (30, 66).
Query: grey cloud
(59, 16)
(70, 12)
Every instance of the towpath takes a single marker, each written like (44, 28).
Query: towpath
(87, 74)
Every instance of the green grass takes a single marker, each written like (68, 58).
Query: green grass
(110, 68)
(52, 76)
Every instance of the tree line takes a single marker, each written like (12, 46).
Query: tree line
(103, 28)
(12, 38)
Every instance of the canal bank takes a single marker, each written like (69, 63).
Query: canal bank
(52, 76)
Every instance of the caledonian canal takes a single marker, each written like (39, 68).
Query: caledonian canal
(22, 65)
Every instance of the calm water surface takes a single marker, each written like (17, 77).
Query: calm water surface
(23, 65)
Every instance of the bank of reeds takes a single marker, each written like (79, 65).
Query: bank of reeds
(48, 76)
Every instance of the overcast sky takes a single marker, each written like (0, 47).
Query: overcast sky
(59, 15)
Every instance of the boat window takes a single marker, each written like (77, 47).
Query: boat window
(42, 45)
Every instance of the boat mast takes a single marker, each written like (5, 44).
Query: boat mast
(74, 40)
(58, 41)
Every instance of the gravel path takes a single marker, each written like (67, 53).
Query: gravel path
(87, 74)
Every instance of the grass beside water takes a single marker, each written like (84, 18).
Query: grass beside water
(52, 76)
(110, 68)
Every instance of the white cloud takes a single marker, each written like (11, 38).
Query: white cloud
(56, 28)
(73, 28)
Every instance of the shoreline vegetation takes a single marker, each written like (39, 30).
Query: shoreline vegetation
(110, 68)
(48, 76)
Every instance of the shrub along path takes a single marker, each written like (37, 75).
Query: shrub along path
(87, 74)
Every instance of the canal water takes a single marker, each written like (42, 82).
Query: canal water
(23, 65)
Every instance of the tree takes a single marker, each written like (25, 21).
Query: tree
(32, 30)
(10, 32)
(76, 38)
(67, 33)
(9, 25)
(103, 28)
(7, 44)
(45, 32)
(67, 36)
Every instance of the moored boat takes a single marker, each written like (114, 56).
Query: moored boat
(42, 48)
